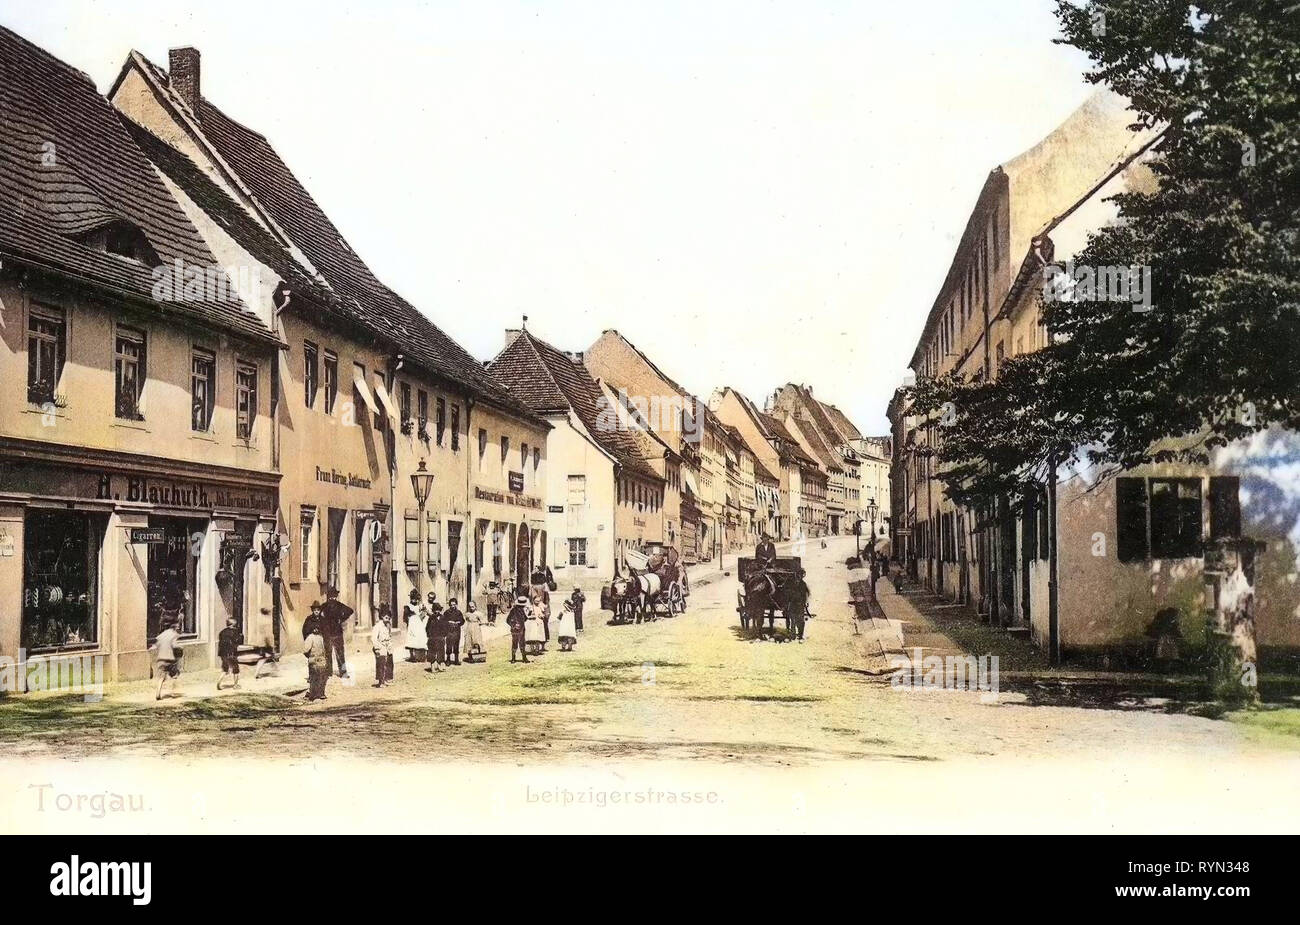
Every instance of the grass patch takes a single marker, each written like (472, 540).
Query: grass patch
(1279, 725)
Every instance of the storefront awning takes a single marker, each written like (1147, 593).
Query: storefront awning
(690, 482)
(359, 382)
(387, 401)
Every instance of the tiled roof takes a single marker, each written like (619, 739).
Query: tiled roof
(790, 446)
(547, 380)
(841, 422)
(68, 166)
(277, 191)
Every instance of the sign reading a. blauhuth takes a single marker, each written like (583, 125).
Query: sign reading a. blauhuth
(172, 492)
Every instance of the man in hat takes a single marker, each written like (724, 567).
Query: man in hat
(455, 621)
(334, 620)
(796, 603)
(436, 627)
(577, 599)
(765, 553)
(313, 622)
(517, 620)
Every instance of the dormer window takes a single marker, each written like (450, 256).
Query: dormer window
(123, 239)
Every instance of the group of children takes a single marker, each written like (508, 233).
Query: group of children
(433, 634)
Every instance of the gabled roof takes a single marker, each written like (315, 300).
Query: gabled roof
(277, 194)
(68, 167)
(788, 444)
(649, 362)
(548, 381)
(841, 422)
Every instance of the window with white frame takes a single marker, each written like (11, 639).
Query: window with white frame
(577, 550)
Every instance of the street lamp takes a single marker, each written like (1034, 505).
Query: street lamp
(421, 484)
(872, 510)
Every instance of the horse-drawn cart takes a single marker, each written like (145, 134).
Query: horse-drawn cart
(653, 584)
(762, 592)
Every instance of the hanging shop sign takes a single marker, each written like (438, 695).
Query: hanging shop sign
(516, 482)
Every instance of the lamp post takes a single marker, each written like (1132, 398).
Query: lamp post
(421, 484)
(872, 510)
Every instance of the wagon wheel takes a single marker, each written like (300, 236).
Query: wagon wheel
(676, 600)
(742, 610)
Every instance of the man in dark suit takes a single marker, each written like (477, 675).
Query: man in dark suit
(796, 603)
(765, 552)
(455, 620)
(334, 620)
(516, 619)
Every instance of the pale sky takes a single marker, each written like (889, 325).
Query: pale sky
(753, 193)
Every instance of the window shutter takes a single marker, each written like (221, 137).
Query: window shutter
(1131, 517)
(435, 544)
(1225, 507)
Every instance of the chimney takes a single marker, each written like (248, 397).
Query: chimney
(183, 76)
(512, 335)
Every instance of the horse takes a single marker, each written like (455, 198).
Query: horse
(650, 586)
(762, 598)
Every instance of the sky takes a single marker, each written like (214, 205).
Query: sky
(753, 192)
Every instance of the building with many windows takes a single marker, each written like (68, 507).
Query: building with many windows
(603, 496)
(138, 475)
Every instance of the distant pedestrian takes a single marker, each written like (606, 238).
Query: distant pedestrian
(517, 620)
(167, 658)
(474, 633)
(228, 641)
(577, 599)
(334, 621)
(417, 639)
(455, 621)
(566, 631)
(436, 627)
(381, 642)
(318, 665)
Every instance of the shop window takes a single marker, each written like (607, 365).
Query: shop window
(441, 423)
(334, 546)
(173, 574)
(455, 428)
(480, 537)
(411, 542)
(203, 389)
(1225, 507)
(310, 373)
(60, 579)
(130, 370)
(306, 540)
(331, 367)
(46, 350)
(245, 400)
(497, 542)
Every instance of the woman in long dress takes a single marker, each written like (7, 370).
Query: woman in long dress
(565, 627)
(473, 633)
(535, 629)
(417, 639)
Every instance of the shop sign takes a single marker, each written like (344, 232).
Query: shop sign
(556, 509)
(514, 500)
(516, 482)
(347, 479)
(151, 535)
